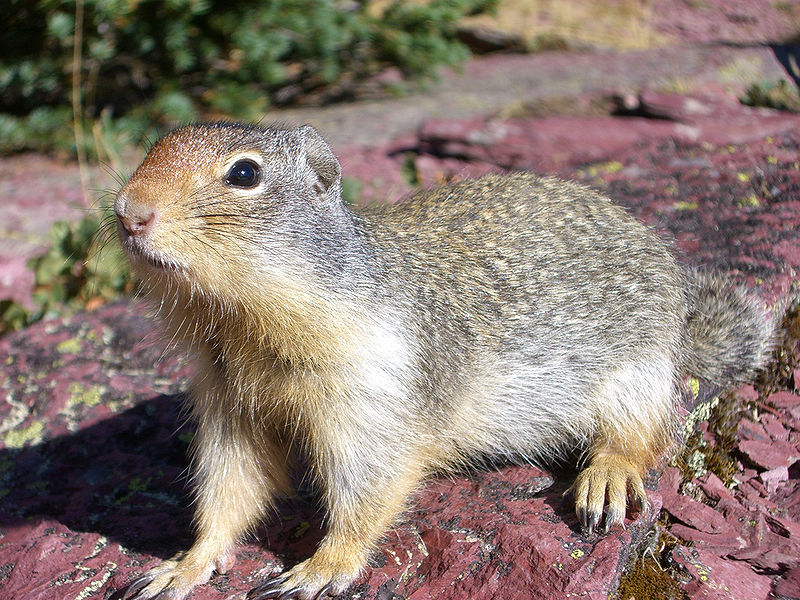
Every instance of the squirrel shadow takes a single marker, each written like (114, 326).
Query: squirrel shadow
(123, 477)
(126, 477)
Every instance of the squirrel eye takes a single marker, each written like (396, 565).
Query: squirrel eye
(243, 174)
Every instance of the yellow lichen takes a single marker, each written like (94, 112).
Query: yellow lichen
(750, 201)
(17, 438)
(90, 396)
(70, 346)
(694, 387)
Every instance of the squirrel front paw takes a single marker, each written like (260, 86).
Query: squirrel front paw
(311, 579)
(173, 579)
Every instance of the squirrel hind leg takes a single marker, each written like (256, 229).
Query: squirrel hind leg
(635, 415)
(607, 482)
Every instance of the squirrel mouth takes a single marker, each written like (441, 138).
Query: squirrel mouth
(137, 253)
(158, 262)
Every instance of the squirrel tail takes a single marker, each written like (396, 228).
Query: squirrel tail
(730, 335)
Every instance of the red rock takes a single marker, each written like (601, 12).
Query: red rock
(541, 145)
(755, 496)
(770, 455)
(746, 475)
(17, 281)
(432, 171)
(788, 498)
(769, 558)
(784, 399)
(670, 481)
(772, 542)
(674, 107)
(378, 172)
(774, 477)
(720, 543)
(48, 554)
(718, 119)
(774, 427)
(787, 586)
(746, 392)
(785, 527)
(489, 536)
(753, 489)
(696, 514)
(770, 552)
(752, 430)
(552, 143)
(713, 487)
(716, 578)
(506, 532)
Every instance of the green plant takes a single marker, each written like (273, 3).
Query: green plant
(779, 95)
(81, 268)
(152, 63)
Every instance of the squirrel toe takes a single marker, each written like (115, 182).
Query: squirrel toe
(607, 483)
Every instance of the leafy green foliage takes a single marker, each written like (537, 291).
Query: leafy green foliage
(779, 95)
(351, 190)
(78, 270)
(152, 63)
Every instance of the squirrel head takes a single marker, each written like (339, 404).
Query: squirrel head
(225, 204)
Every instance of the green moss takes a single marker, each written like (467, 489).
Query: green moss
(750, 201)
(649, 575)
(604, 168)
(409, 168)
(301, 530)
(698, 456)
(351, 190)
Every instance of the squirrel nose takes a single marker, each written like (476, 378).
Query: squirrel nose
(136, 225)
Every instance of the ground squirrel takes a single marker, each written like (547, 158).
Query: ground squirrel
(509, 316)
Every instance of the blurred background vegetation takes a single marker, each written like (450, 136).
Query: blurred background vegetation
(121, 69)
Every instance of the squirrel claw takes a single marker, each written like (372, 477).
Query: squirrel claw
(273, 593)
(130, 591)
(592, 520)
(272, 590)
(582, 517)
(269, 589)
(323, 592)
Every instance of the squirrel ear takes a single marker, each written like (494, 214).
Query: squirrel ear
(321, 161)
